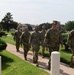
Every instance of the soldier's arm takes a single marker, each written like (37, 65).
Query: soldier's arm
(61, 40)
(41, 38)
(69, 40)
(31, 37)
(46, 39)
(21, 39)
(14, 36)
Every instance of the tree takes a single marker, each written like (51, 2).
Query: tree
(29, 27)
(69, 25)
(0, 27)
(7, 22)
(47, 25)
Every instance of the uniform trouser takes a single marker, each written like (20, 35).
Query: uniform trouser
(17, 45)
(72, 50)
(72, 58)
(43, 49)
(51, 49)
(35, 53)
(26, 49)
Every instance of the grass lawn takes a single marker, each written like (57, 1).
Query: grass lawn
(8, 39)
(13, 65)
(65, 57)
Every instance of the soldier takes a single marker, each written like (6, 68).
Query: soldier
(17, 35)
(35, 42)
(53, 38)
(42, 40)
(25, 40)
(71, 45)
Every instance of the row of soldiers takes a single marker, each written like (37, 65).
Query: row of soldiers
(50, 39)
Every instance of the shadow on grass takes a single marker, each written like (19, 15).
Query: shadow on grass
(67, 51)
(61, 59)
(5, 60)
(64, 61)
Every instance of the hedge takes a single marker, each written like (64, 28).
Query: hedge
(3, 45)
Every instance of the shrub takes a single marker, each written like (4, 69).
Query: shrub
(2, 34)
(12, 33)
(3, 45)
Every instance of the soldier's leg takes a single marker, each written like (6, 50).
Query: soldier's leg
(17, 46)
(43, 49)
(49, 63)
(71, 62)
(36, 54)
(25, 52)
(27, 49)
(34, 61)
(56, 48)
(72, 59)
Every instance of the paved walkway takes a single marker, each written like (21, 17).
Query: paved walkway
(43, 62)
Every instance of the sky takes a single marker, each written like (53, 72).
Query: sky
(38, 11)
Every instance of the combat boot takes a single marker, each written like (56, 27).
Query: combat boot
(42, 56)
(25, 58)
(34, 61)
(17, 49)
(37, 64)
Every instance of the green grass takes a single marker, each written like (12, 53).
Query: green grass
(8, 39)
(13, 65)
(65, 56)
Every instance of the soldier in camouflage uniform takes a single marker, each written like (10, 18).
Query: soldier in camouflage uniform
(42, 40)
(71, 45)
(35, 42)
(17, 35)
(53, 38)
(25, 40)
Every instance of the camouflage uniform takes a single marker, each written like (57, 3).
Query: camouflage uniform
(17, 35)
(71, 45)
(25, 38)
(42, 41)
(53, 38)
(35, 42)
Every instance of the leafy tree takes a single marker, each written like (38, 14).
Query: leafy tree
(0, 27)
(7, 22)
(29, 27)
(47, 25)
(69, 25)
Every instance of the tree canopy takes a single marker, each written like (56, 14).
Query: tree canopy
(7, 22)
(69, 25)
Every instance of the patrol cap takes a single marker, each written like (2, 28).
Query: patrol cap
(55, 22)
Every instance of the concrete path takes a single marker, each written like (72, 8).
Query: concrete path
(43, 62)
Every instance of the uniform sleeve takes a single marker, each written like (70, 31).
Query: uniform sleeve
(46, 39)
(14, 36)
(61, 38)
(21, 38)
(31, 37)
(69, 40)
